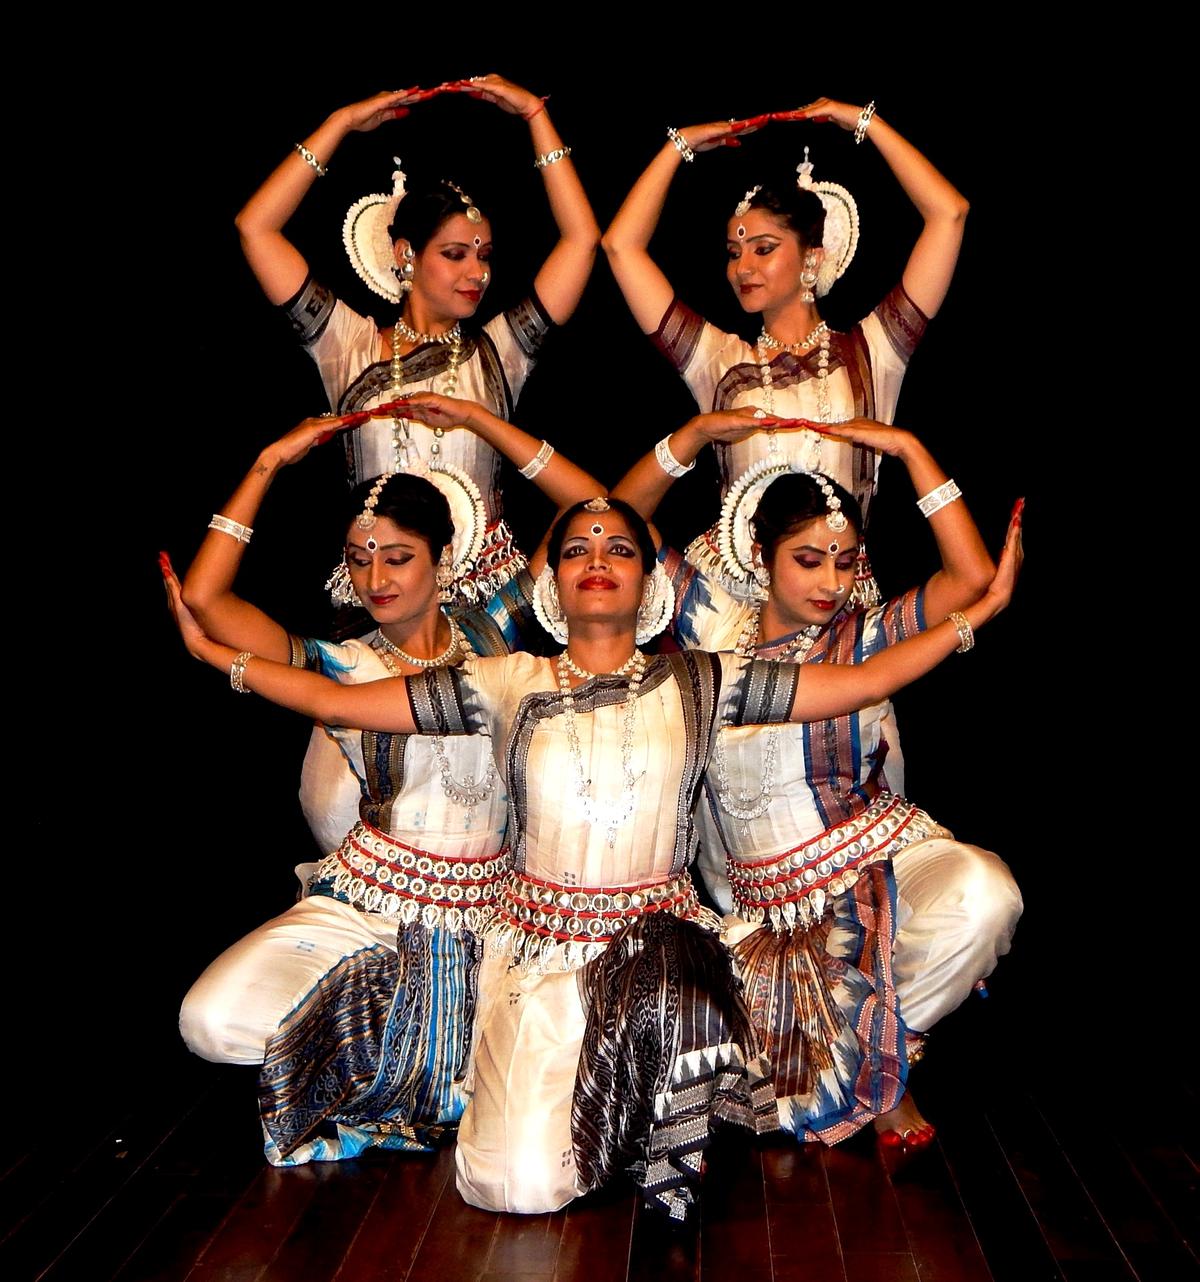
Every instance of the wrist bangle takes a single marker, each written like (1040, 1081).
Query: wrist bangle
(227, 525)
(297, 657)
(864, 119)
(966, 634)
(536, 111)
(681, 144)
(538, 462)
(936, 499)
(668, 462)
(309, 159)
(551, 157)
(237, 670)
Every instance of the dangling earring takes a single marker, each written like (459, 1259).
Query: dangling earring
(444, 576)
(808, 277)
(548, 607)
(658, 606)
(405, 273)
(762, 576)
(340, 586)
(866, 590)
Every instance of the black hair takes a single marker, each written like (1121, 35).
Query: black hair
(800, 211)
(790, 503)
(637, 527)
(412, 503)
(422, 211)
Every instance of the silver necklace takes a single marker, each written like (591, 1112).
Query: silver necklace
(438, 660)
(607, 815)
(742, 804)
(584, 675)
(402, 442)
(768, 342)
(464, 792)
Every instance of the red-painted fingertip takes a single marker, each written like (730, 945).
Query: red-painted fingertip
(731, 142)
(355, 419)
(398, 113)
(1018, 512)
(164, 564)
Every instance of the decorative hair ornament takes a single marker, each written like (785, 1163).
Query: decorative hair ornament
(598, 504)
(365, 235)
(864, 120)
(742, 208)
(735, 532)
(473, 214)
(680, 143)
(840, 239)
(657, 608)
(309, 159)
(547, 607)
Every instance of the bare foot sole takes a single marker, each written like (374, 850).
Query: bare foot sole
(904, 1127)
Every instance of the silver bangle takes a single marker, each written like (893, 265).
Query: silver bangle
(966, 634)
(309, 159)
(538, 462)
(551, 157)
(681, 144)
(864, 119)
(668, 462)
(227, 525)
(237, 670)
(939, 498)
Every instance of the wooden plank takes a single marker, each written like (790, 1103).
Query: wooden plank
(526, 1246)
(398, 1219)
(1079, 1240)
(1155, 1249)
(458, 1242)
(864, 1205)
(735, 1239)
(597, 1237)
(664, 1252)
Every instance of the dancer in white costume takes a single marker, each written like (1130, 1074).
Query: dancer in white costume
(626, 1063)
(359, 998)
(786, 790)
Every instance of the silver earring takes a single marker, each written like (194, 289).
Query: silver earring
(808, 277)
(340, 586)
(404, 274)
(444, 576)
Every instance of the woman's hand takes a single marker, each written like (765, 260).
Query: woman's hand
(503, 93)
(312, 431)
(199, 645)
(1000, 590)
(718, 133)
(823, 109)
(866, 431)
(439, 411)
(727, 427)
(392, 104)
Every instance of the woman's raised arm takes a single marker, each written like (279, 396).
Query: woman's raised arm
(627, 241)
(561, 279)
(376, 705)
(826, 690)
(278, 265)
(941, 205)
(208, 586)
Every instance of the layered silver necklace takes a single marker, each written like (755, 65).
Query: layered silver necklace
(606, 815)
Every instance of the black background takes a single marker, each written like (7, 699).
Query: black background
(174, 801)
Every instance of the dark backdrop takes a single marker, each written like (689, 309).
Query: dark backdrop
(192, 789)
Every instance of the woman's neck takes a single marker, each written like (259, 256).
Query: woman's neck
(791, 322)
(417, 315)
(423, 638)
(600, 650)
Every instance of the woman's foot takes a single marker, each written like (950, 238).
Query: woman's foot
(904, 1127)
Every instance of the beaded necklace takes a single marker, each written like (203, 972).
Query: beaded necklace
(402, 441)
(608, 815)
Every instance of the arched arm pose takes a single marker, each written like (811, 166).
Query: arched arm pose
(603, 752)
(785, 799)
(787, 245)
(281, 268)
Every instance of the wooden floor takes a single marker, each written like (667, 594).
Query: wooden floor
(1026, 1181)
